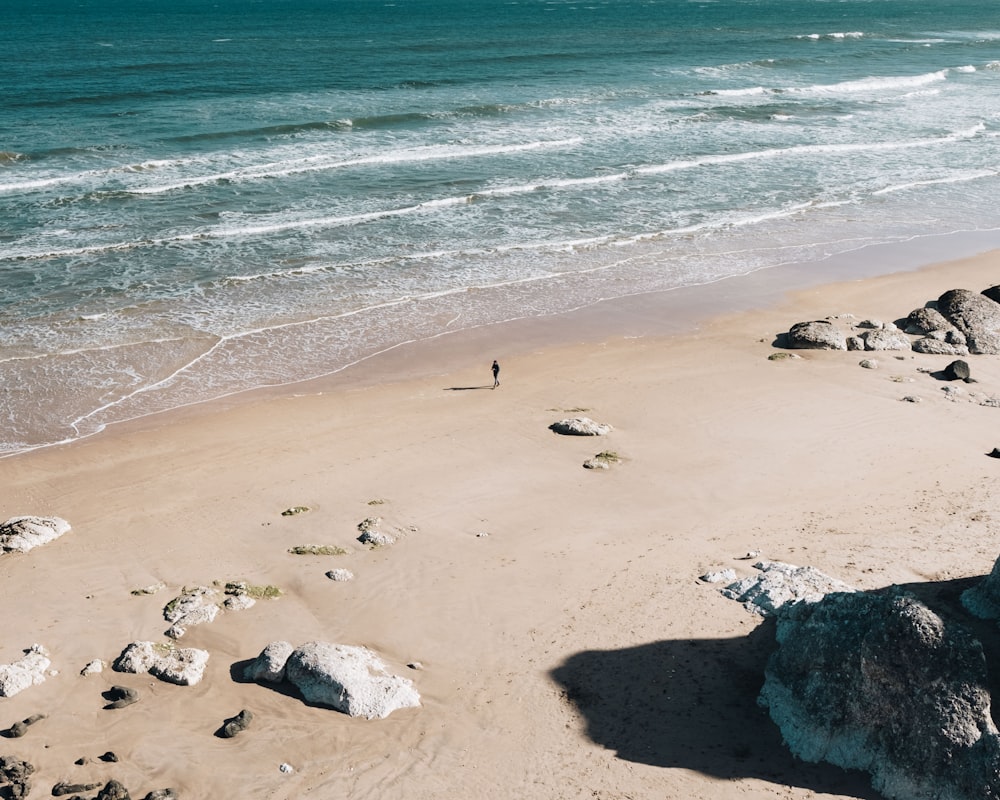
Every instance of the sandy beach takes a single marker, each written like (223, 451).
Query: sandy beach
(568, 648)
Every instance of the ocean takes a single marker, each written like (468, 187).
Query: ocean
(199, 198)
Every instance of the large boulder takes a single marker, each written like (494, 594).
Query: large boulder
(880, 683)
(351, 679)
(184, 666)
(976, 316)
(27, 671)
(816, 335)
(21, 534)
(886, 339)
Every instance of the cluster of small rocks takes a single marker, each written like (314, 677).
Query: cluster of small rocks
(958, 323)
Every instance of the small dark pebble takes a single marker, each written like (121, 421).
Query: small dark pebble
(995, 453)
(109, 757)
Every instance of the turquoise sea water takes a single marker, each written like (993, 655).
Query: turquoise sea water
(198, 198)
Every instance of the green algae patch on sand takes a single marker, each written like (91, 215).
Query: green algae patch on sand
(317, 550)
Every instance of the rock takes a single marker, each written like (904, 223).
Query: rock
(377, 538)
(880, 683)
(340, 575)
(192, 607)
(580, 426)
(817, 335)
(109, 758)
(957, 371)
(121, 696)
(93, 668)
(854, 343)
(597, 463)
(162, 794)
(781, 584)
(995, 453)
(27, 671)
(113, 790)
(868, 363)
(886, 339)
(62, 788)
(719, 576)
(976, 316)
(294, 510)
(286, 768)
(16, 774)
(871, 324)
(239, 602)
(783, 356)
(983, 599)
(937, 347)
(183, 666)
(21, 534)
(993, 293)
(269, 666)
(18, 729)
(351, 679)
(237, 724)
(926, 320)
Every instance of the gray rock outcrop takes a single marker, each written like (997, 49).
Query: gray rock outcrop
(580, 426)
(350, 679)
(780, 584)
(113, 790)
(121, 697)
(976, 316)
(27, 671)
(183, 666)
(816, 335)
(880, 683)
(21, 534)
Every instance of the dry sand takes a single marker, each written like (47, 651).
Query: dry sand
(571, 652)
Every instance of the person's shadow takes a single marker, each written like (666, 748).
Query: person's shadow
(467, 388)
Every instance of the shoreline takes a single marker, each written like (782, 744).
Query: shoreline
(528, 588)
(655, 314)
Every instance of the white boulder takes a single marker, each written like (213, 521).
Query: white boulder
(21, 534)
(27, 671)
(183, 666)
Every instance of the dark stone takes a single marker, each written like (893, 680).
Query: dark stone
(62, 788)
(162, 794)
(882, 684)
(995, 453)
(81, 761)
(958, 371)
(925, 320)
(121, 696)
(18, 729)
(113, 790)
(15, 772)
(109, 757)
(993, 293)
(237, 724)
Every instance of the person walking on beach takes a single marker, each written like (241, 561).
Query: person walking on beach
(496, 374)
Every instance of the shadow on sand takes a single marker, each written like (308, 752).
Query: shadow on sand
(468, 388)
(692, 703)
